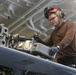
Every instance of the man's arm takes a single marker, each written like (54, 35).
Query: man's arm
(69, 35)
(38, 39)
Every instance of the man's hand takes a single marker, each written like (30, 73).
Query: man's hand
(53, 50)
(37, 38)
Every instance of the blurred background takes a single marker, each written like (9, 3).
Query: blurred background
(26, 17)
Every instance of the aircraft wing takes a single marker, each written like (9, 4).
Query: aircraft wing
(21, 61)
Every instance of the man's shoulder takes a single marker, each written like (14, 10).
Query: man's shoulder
(69, 23)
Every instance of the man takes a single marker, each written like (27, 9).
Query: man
(63, 39)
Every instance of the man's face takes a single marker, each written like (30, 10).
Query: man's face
(54, 19)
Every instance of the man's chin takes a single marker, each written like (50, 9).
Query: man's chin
(56, 25)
